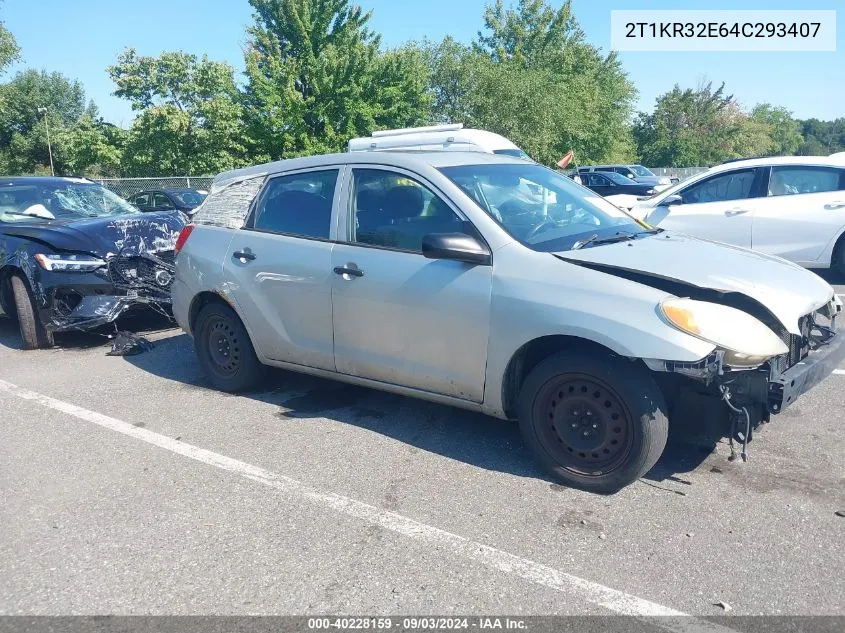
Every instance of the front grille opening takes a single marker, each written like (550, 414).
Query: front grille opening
(66, 301)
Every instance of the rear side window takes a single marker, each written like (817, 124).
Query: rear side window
(789, 181)
(298, 204)
(734, 185)
(229, 206)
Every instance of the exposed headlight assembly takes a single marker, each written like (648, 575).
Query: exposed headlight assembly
(747, 342)
(68, 262)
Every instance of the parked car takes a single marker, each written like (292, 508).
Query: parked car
(180, 199)
(609, 183)
(431, 274)
(74, 255)
(792, 207)
(637, 173)
(448, 137)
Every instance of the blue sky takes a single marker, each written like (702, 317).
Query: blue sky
(81, 38)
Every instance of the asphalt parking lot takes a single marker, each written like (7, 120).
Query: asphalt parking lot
(129, 487)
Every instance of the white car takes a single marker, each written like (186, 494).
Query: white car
(792, 207)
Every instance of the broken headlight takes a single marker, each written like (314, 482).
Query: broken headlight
(68, 262)
(746, 341)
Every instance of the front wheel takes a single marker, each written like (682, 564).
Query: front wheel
(595, 423)
(33, 333)
(224, 349)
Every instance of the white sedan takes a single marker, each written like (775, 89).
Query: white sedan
(792, 207)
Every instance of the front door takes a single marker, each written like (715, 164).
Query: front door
(719, 208)
(278, 268)
(399, 317)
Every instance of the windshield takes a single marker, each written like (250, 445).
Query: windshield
(541, 208)
(641, 171)
(59, 200)
(188, 198)
(512, 152)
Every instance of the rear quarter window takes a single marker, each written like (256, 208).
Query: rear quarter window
(229, 207)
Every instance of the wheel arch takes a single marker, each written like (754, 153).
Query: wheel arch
(203, 299)
(531, 353)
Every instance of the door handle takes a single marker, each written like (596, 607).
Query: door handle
(835, 205)
(345, 270)
(734, 212)
(244, 254)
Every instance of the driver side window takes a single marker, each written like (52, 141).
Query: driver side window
(734, 185)
(391, 210)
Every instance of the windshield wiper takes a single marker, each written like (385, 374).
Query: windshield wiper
(594, 239)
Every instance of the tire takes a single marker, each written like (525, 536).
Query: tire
(597, 423)
(33, 333)
(838, 259)
(225, 351)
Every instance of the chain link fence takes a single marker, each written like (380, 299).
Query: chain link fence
(125, 187)
(681, 173)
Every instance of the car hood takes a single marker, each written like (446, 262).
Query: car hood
(123, 234)
(691, 266)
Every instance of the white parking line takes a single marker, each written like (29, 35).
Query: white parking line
(491, 557)
(839, 372)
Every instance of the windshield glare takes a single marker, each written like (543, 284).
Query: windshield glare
(541, 208)
(39, 202)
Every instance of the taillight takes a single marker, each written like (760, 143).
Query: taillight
(184, 234)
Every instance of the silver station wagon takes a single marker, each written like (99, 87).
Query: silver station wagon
(495, 284)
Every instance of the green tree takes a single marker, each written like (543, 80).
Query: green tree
(531, 76)
(316, 78)
(696, 128)
(23, 138)
(9, 51)
(783, 129)
(190, 119)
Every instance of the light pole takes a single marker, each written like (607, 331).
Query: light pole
(43, 113)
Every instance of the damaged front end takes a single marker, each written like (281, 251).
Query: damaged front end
(82, 301)
(749, 396)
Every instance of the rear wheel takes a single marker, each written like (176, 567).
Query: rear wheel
(33, 333)
(225, 351)
(597, 424)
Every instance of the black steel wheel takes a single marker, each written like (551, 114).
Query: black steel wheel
(586, 425)
(596, 423)
(224, 349)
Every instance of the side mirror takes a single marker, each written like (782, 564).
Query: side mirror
(456, 246)
(672, 200)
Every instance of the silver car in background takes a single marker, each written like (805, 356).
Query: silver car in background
(498, 285)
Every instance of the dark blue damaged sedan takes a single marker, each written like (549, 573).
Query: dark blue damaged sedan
(75, 256)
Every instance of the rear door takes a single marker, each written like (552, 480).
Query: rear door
(720, 207)
(399, 317)
(803, 211)
(279, 267)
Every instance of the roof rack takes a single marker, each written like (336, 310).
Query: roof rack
(450, 127)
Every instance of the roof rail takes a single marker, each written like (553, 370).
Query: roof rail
(450, 127)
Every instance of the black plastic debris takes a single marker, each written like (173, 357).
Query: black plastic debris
(129, 344)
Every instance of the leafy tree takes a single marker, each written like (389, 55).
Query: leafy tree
(701, 127)
(9, 51)
(190, 118)
(23, 138)
(316, 78)
(783, 129)
(821, 138)
(531, 76)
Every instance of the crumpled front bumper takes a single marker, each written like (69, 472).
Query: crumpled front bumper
(83, 301)
(785, 388)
